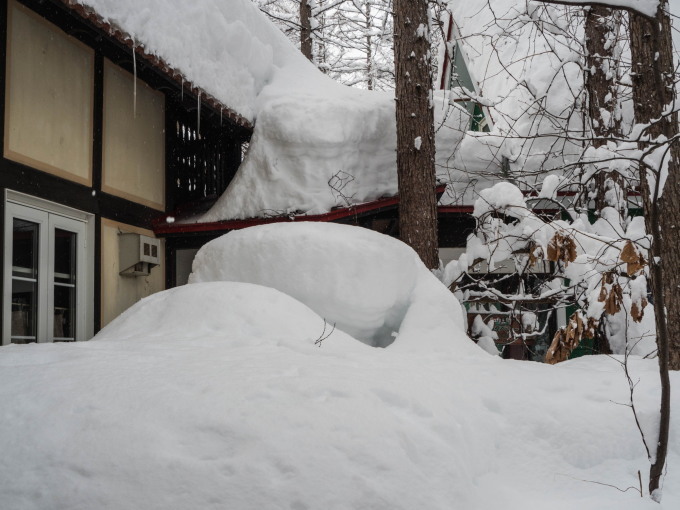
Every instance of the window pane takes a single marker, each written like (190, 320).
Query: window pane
(24, 281)
(65, 243)
(25, 249)
(64, 313)
(64, 256)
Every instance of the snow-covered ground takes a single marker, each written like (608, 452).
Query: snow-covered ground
(235, 395)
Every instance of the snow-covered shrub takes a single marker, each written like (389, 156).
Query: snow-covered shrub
(600, 267)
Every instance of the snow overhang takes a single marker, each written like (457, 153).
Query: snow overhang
(157, 62)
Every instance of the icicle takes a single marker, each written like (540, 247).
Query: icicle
(182, 91)
(220, 116)
(134, 84)
(198, 129)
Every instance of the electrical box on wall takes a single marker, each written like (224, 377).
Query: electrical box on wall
(138, 254)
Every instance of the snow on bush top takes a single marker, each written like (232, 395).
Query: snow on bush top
(370, 285)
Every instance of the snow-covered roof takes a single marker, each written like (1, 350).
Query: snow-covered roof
(316, 145)
(226, 48)
(520, 72)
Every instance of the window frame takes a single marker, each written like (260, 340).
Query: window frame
(50, 216)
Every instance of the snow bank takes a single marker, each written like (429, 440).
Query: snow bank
(369, 285)
(194, 419)
(230, 395)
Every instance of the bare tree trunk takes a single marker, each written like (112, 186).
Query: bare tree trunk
(653, 92)
(369, 48)
(306, 30)
(415, 130)
(600, 76)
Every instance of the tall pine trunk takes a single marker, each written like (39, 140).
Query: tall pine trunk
(306, 30)
(415, 130)
(653, 92)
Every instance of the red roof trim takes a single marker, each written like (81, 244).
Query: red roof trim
(456, 209)
(161, 227)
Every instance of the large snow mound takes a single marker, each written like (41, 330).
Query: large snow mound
(364, 282)
(231, 395)
(194, 420)
(330, 146)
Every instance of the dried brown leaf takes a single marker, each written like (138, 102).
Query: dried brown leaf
(614, 300)
(567, 339)
(634, 260)
(561, 248)
(637, 310)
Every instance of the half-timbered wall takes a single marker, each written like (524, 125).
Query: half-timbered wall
(81, 131)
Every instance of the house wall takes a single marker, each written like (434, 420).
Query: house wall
(118, 292)
(49, 97)
(134, 139)
(85, 127)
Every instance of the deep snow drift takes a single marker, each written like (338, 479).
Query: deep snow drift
(230, 395)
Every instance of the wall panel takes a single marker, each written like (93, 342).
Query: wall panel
(49, 98)
(134, 139)
(121, 292)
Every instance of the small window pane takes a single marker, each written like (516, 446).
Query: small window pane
(64, 313)
(25, 249)
(65, 243)
(24, 311)
(24, 281)
(64, 256)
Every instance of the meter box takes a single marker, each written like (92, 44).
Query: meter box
(138, 254)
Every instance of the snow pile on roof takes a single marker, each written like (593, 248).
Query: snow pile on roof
(322, 147)
(345, 274)
(226, 47)
(316, 145)
(521, 74)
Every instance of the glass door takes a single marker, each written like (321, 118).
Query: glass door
(65, 285)
(45, 285)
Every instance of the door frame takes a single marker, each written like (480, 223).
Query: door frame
(50, 215)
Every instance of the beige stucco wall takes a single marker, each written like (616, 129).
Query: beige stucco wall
(121, 292)
(134, 139)
(49, 100)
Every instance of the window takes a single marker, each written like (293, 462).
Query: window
(47, 275)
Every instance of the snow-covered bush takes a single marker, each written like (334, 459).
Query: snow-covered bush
(600, 267)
